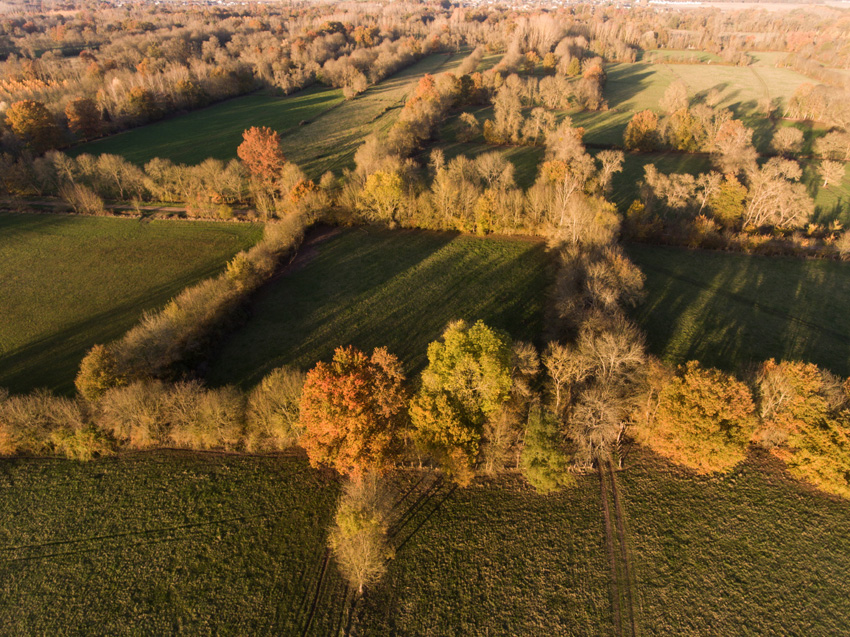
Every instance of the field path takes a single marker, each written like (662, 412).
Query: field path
(329, 141)
(622, 574)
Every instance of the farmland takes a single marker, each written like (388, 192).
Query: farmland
(215, 131)
(371, 287)
(731, 310)
(749, 553)
(70, 282)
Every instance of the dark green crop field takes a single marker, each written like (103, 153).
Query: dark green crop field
(731, 310)
(752, 552)
(70, 282)
(372, 287)
(215, 131)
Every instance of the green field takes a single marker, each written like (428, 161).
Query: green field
(498, 559)
(215, 131)
(733, 310)
(329, 142)
(70, 282)
(635, 87)
(749, 553)
(163, 543)
(372, 287)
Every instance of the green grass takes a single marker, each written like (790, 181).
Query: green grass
(371, 287)
(330, 141)
(70, 282)
(163, 543)
(215, 131)
(661, 56)
(749, 553)
(498, 559)
(732, 310)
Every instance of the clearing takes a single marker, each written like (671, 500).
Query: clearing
(70, 282)
(373, 287)
(214, 131)
(731, 310)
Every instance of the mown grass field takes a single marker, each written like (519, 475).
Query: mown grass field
(373, 287)
(733, 310)
(498, 559)
(330, 141)
(749, 553)
(163, 543)
(215, 131)
(70, 282)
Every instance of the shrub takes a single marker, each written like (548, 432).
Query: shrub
(136, 414)
(543, 462)
(273, 413)
(201, 418)
(98, 373)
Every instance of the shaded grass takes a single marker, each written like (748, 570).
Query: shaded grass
(215, 131)
(372, 287)
(498, 559)
(733, 310)
(329, 142)
(70, 282)
(162, 543)
(750, 553)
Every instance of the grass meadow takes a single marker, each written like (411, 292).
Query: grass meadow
(70, 282)
(163, 543)
(215, 131)
(372, 287)
(732, 310)
(752, 552)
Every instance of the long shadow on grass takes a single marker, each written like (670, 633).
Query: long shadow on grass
(730, 311)
(398, 289)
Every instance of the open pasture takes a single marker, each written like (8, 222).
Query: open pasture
(735, 310)
(373, 287)
(70, 282)
(215, 131)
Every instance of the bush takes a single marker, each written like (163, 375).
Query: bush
(98, 373)
(201, 418)
(273, 413)
(136, 414)
(543, 462)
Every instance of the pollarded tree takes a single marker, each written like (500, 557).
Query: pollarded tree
(353, 411)
(467, 381)
(642, 132)
(701, 418)
(260, 151)
(34, 124)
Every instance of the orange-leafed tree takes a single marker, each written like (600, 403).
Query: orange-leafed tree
(701, 418)
(83, 117)
(33, 123)
(260, 151)
(353, 411)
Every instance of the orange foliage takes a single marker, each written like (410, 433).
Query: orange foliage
(261, 152)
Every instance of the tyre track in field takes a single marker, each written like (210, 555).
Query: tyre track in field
(623, 585)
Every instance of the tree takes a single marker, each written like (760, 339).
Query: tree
(261, 152)
(34, 124)
(776, 197)
(358, 537)
(543, 462)
(383, 196)
(273, 413)
(98, 373)
(732, 148)
(832, 172)
(727, 204)
(83, 117)
(352, 411)
(467, 381)
(612, 162)
(675, 97)
(787, 141)
(467, 127)
(701, 418)
(642, 132)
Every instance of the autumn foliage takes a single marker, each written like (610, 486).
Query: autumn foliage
(260, 151)
(353, 410)
(701, 418)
